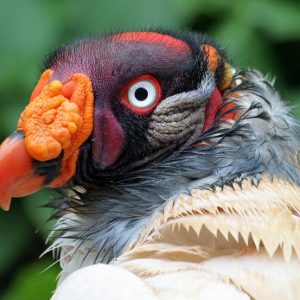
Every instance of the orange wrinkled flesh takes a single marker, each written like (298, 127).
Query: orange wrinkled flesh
(58, 118)
(83, 97)
(49, 122)
(43, 81)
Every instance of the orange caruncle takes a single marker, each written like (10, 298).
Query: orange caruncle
(49, 122)
(58, 118)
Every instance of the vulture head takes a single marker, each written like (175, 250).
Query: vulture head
(121, 124)
(104, 107)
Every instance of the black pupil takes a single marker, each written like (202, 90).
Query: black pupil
(141, 94)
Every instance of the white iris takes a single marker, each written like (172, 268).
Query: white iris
(142, 94)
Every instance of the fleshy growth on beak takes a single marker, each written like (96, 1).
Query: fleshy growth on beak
(59, 118)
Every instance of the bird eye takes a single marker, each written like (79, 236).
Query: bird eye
(142, 94)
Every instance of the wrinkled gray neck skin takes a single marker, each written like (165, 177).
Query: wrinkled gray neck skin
(263, 141)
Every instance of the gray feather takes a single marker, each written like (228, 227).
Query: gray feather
(264, 140)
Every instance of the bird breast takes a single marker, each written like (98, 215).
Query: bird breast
(242, 242)
(238, 242)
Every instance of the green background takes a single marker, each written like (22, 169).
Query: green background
(264, 34)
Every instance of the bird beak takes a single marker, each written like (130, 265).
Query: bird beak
(17, 176)
(57, 121)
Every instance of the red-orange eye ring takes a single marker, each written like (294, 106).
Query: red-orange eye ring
(142, 94)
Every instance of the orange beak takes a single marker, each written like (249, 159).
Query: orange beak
(17, 178)
(58, 118)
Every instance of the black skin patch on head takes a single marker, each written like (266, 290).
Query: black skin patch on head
(50, 169)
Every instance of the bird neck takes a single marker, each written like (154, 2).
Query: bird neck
(104, 221)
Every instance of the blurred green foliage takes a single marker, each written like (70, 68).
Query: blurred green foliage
(257, 33)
